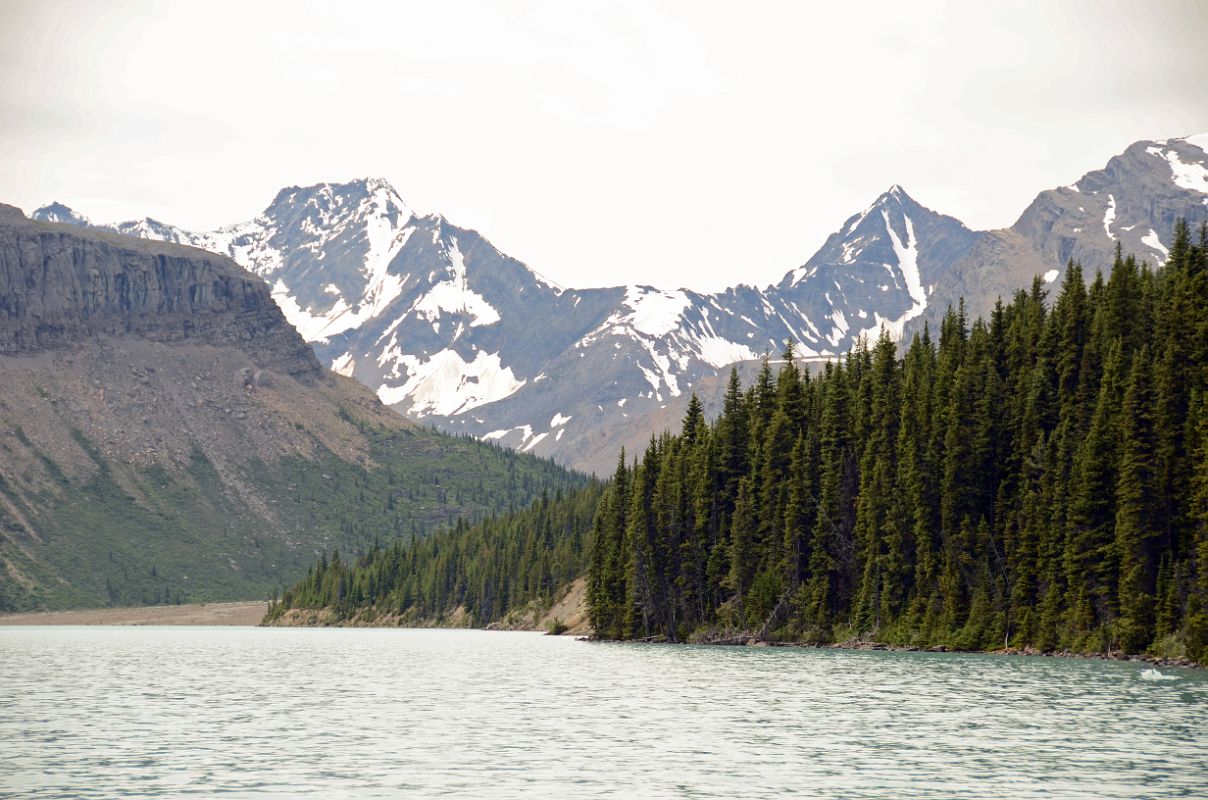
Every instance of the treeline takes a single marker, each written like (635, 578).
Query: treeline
(487, 568)
(1038, 479)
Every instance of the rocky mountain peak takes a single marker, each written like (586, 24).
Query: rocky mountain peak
(1187, 159)
(57, 212)
(889, 230)
(153, 229)
(1134, 200)
(897, 194)
(324, 201)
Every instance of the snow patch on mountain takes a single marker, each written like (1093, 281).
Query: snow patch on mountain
(718, 352)
(654, 312)
(840, 328)
(57, 212)
(309, 325)
(455, 296)
(1051, 276)
(248, 243)
(850, 251)
(1185, 174)
(894, 327)
(526, 432)
(446, 383)
(154, 230)
(536, 441)
(383, 228)
(344, 365)
(908, 262)
(382, 289)
(1109, 216)
(1152, 241)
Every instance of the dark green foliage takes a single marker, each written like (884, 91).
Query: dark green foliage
(1037, 479)
(486, 569)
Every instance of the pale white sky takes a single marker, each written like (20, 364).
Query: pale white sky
(673, 143)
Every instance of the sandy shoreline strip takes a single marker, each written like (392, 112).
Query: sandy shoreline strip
(244, 613)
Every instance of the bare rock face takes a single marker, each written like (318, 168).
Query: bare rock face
(1134, 202)
(60, 283)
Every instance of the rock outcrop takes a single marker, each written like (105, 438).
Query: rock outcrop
(60, 283)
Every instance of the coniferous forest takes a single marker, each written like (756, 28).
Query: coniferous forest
(486, 569)
(1038, 479)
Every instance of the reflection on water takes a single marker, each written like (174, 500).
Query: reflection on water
(258, 713)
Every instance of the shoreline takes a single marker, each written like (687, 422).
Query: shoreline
(245, 613)
(250, 613)
(738, 641)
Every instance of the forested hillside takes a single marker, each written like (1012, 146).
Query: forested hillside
(1037, 479)
(479, 571)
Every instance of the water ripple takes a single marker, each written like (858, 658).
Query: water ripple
(252, 713)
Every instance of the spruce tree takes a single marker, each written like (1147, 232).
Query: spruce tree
(1137, 509)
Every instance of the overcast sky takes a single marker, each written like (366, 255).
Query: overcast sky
(678, 144)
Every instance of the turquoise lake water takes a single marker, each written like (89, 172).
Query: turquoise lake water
(103, 712)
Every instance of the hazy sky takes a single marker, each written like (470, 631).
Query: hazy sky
(679, 144)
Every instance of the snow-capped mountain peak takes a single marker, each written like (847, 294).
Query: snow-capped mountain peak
(875, 273)
(57, 212)
(894, 194)
(326, 250)
(147, 228)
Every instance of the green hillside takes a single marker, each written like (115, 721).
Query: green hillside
(80, 526)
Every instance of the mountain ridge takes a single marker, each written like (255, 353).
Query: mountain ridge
(449, 330)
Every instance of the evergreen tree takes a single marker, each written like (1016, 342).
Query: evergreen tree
(1137, 507)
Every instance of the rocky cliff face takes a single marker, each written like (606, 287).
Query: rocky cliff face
(60, 284)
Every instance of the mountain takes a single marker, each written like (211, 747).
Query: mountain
(450, 331)
(166, 435)
(1134, 202)
(57, 212)
(880, 269)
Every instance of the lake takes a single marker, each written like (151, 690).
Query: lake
(257, 713)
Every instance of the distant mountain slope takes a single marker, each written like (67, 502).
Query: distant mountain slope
(450, 331)
(166, 435)
(1134, 201)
